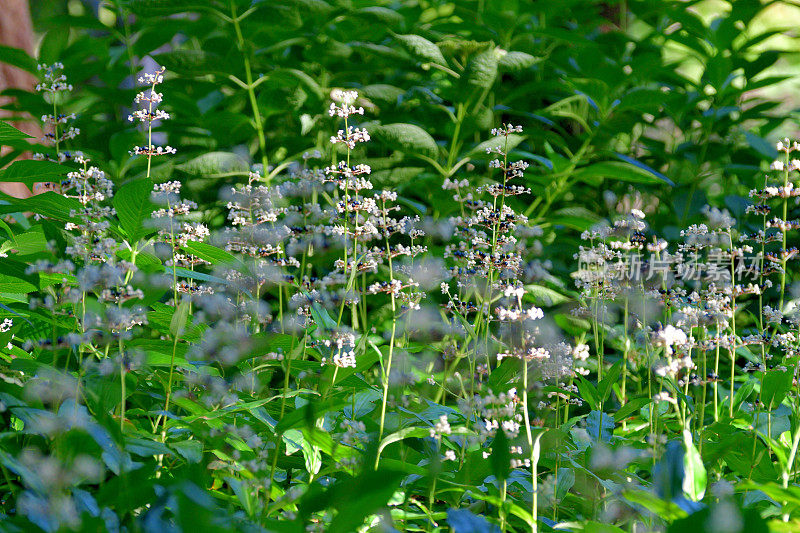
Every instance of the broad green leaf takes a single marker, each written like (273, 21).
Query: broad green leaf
(481, 70)
(517, 61)
(295, 440)
(158, 8)
(545, 296)
(384, 15)
(133, 206)
(630, 407)
(407, 138)
(383, 93)
(191, 449)
(774, 386)
(588, 393)
(746, 520)
(210, 253)
(356, 499)
(422, 48)
(30, 242)
(49, 204)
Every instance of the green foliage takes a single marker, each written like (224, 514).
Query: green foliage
(162, 379)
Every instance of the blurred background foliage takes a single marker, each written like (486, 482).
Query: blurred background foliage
(678, 100)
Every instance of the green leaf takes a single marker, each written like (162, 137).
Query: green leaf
(29, 172)
(422, 48)
(384, 15)
(482, 70)
(517, 61)
(133, 206)
(694, 479)
(588, 393)
(611, 377)
(630, 407)
(18, 58)
(621, 171)
(412, 432)
(158, 8)
(357, 498)
(600, 426)
(407, 138)
(383, 93)
(49, 204)
(774, 386)
(742, 393)
(707, 520)
(210, 253)
(179, 318)
(30, 242)
(295, 440)
(665, 509)
(500, 460)
(10, 133)
(191, 450)
(545, 295)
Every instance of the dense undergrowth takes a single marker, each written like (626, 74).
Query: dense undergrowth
(419, 266)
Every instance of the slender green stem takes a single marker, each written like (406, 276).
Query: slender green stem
(251, 94)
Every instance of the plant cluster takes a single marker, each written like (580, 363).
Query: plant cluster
(264, 303)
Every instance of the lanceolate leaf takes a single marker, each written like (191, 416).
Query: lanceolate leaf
(10, 133)
(620, 171)
(694, 481)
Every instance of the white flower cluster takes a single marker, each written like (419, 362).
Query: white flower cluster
(343, 349)
(52, 79)
(342, 105)
(145, 116)
(351, 137)
(518, 314)
(671, 336)
(505, 130)
(442, 427)
(155, 78)
(152, 150)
